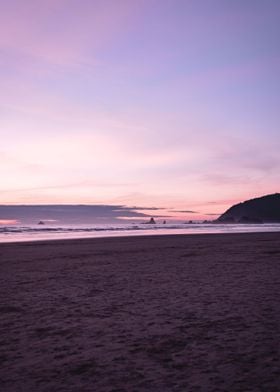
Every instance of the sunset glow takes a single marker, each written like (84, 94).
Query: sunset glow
(167, 104)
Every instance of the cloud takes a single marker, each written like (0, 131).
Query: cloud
(96, 108)
(68, 214)
(185, 211)
(222, 201)
(147, 208)
(35, 28)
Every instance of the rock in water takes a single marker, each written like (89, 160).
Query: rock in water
(152, 221)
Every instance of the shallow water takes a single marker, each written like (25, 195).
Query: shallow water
(54, 231)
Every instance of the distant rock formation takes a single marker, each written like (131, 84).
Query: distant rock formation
(151, 222)
(259, 210)
(41, 223)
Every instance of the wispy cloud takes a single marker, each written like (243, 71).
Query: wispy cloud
(66, 214)
(185, 211)
(35, 29)
(95, 108)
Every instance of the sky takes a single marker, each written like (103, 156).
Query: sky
(170, 104)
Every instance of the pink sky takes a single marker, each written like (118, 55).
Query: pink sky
(149, 103)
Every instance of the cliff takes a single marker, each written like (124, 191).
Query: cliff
(261, 209)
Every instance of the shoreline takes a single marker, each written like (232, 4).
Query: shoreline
(140, 313)
(117, 236)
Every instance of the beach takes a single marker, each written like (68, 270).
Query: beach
(147, 313)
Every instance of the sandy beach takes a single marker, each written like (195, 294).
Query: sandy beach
(158, 313)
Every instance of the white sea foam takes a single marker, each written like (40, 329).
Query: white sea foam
(38, 232)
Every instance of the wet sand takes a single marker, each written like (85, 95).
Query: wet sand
(160, 313)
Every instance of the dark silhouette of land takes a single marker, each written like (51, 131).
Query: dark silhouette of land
(264, 209)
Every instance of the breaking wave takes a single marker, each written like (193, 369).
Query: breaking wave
(35, 232)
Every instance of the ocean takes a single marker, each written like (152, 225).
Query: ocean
(15, 233)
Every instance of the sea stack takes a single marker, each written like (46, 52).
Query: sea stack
(152, 221)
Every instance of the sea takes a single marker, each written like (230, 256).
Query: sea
(19, 233)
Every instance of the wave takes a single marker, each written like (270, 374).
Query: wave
(34, 232)
(67, 229)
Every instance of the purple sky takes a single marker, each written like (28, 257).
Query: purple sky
(166, 103)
